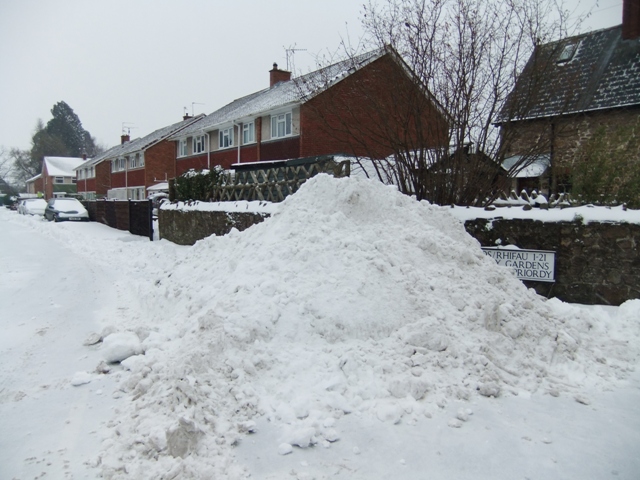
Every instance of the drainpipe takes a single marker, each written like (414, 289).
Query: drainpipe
(208, 150)
(239, 133)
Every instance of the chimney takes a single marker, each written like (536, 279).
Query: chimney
(186, 116)
(84, 156)
(276, 76)
(124, 139)
(630, 19)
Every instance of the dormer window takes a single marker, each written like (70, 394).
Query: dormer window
(567, 52)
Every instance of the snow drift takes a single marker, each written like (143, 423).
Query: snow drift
(350, 299)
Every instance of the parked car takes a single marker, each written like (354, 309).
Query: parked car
(32, 206)
(59, 209)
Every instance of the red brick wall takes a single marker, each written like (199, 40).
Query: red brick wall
(103, 178)
(160, 163)
(225, 158)
(86, 185)
(197, 163)
(281, 149)
(368, 112)
(132, 178)
(118, 180)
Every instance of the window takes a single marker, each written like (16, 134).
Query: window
(137, 161)
(198, 144)
(248, 133)
(281, 125)
(225, 137)
(567, 52)
(182, 148)
(92, 172)
(59, 180)
(81, 174)
(74, 180)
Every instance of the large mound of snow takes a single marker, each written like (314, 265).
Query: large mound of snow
(350, 299)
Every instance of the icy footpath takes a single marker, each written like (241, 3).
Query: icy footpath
(351, 299)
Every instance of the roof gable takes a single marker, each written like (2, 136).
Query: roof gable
(62, 166)
(603, 72)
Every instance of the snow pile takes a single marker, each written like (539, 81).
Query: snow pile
(350, 299)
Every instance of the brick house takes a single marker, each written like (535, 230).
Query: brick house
(569, 90)
(35, 185)
(345, 108)
(127, 170)
(58, 177)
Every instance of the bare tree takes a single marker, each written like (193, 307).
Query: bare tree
(464, 57)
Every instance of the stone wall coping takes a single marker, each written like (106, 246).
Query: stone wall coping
(230, 207)
(585, 214)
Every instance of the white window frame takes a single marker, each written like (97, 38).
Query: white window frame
(225, 137)
(248, 133)
(281, 125)
(198, 144)
(182, 148)
(58, 180)
(133, 162)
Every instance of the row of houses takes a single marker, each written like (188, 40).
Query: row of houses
(291, 118)
(589, 81)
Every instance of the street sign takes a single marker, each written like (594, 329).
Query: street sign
(532, 265)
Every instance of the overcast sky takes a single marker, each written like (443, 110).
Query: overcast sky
(140, 62)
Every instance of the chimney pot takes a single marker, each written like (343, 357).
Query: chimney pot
(276, 75)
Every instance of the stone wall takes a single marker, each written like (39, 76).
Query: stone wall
(567, 135)
(187, 227)
(596, 263)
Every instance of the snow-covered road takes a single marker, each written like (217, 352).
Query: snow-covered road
(50, 299)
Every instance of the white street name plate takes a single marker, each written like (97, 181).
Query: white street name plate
(535, 265)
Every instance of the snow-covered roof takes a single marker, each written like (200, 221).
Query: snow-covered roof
(527, 167)
(33, 179)
(62, 166)
(159, 187)
(592, 71)
(143, 143)
(294, 91)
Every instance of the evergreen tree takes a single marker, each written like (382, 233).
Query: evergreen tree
(66, 126)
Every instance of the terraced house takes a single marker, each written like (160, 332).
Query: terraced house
(345, 108)
(126, 171)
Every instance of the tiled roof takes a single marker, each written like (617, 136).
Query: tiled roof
(62, 166)
(140, 144)
(603, 72)
(294, 91)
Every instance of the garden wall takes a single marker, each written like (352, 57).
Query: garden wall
(187, 227)
(596, 263)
